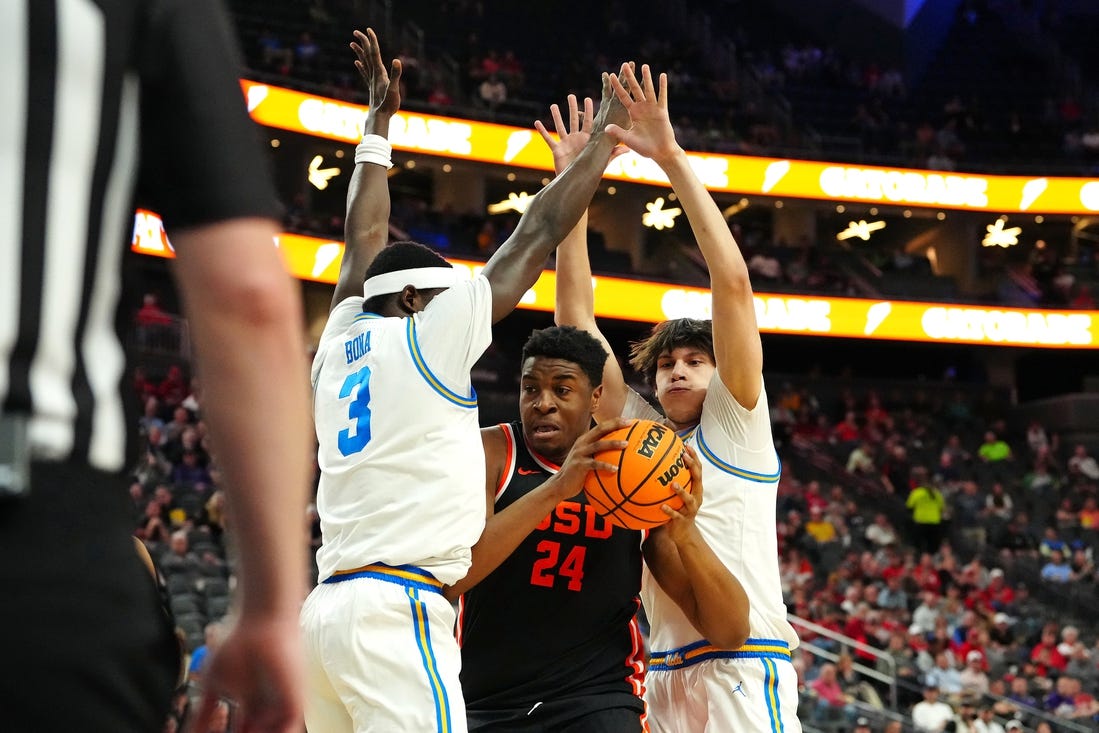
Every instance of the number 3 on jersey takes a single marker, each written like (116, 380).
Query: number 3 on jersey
(358, 412)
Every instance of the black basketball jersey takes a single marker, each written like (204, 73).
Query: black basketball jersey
(556, 622)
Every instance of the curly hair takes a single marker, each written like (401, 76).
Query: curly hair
(668, 336)
(400, 256)
(570, 344)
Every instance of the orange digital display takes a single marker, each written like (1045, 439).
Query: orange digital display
(740, 174)
(309, 258)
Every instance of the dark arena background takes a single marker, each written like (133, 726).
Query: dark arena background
(914, 186)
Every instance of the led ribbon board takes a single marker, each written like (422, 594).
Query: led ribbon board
(310, 258)
(485, 142)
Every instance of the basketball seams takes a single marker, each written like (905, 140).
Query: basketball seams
(624, 510)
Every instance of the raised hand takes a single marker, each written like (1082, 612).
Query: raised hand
(650, 133)
(612, 111)
(571, 139)
(681, 526)
(383, 87)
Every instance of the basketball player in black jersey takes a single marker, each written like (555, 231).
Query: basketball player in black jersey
(548, 628)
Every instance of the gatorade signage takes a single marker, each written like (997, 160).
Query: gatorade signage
(740, 174)
(314, 259)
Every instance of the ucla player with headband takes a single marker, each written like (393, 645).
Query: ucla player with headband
(401, 494)
(708, 378)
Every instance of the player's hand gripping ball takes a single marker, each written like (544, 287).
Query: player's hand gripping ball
(651, 460)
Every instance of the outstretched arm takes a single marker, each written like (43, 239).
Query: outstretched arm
(504, 531)
(737, 345)
(553, 213)
(575, 301)
(691, 574)
(366, 227)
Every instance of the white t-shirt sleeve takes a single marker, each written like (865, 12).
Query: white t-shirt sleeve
(455, 329)
(736, 435)
(638, 408)
(339, 320)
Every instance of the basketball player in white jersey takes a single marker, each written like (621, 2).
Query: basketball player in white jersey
(402, 467)
(708, 380)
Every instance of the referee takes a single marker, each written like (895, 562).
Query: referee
(104, 104)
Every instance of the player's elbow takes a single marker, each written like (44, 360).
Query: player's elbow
(732, 634)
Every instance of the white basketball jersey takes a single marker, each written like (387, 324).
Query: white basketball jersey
(402, 465)
(740, 471)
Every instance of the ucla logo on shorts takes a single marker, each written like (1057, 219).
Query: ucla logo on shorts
(674, 660)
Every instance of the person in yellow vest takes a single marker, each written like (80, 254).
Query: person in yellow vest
(926, 503)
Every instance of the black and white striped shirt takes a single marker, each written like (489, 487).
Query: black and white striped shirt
(102, 101)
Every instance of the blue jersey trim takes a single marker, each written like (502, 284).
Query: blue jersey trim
(429, 377)
(763, 478)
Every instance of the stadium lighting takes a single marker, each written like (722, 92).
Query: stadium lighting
(517, 202)
(861, 229)
(657, 217)
(999, 237)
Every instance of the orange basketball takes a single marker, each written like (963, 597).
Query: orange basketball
(632, 496)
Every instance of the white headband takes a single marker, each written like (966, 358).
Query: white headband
(418, 277)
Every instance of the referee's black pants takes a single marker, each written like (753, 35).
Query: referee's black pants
(83, 641)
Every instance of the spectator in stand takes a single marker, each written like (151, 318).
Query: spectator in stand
(881, 532)
(1036, 437)
(1051, 542)
(190, 472)
(931, 714)
(861, 460)
(848, 431)
(1045, 651)
(172, 389)
(986, 722)
(926, 574)
(1057, 569)
(994, 449)
(831, 702)
(944, 676)
(968, 514)
(1017, 538)
(212, 636)
(927, 504)
(493, 92)
(996, 594)
(958, 455)
(1082, 468)
(926, 614)
(973, 678)
(151, 321)
(896, 470)
(893, 596)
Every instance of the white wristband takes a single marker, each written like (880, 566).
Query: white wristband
(374, 149)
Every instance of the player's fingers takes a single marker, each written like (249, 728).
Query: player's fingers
(589, 113)
(647, 83)
(558, 123)
(690, 502)
(601, 445)
(574, 113)
(543, 132)
(395, 72)
(663, 97)
(671, 512)
(604, 467)
(694, 468)
(631, 81)
(374, 45)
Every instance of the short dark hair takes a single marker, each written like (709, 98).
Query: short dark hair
(400, 256)
(668, 336)
(570, 344)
